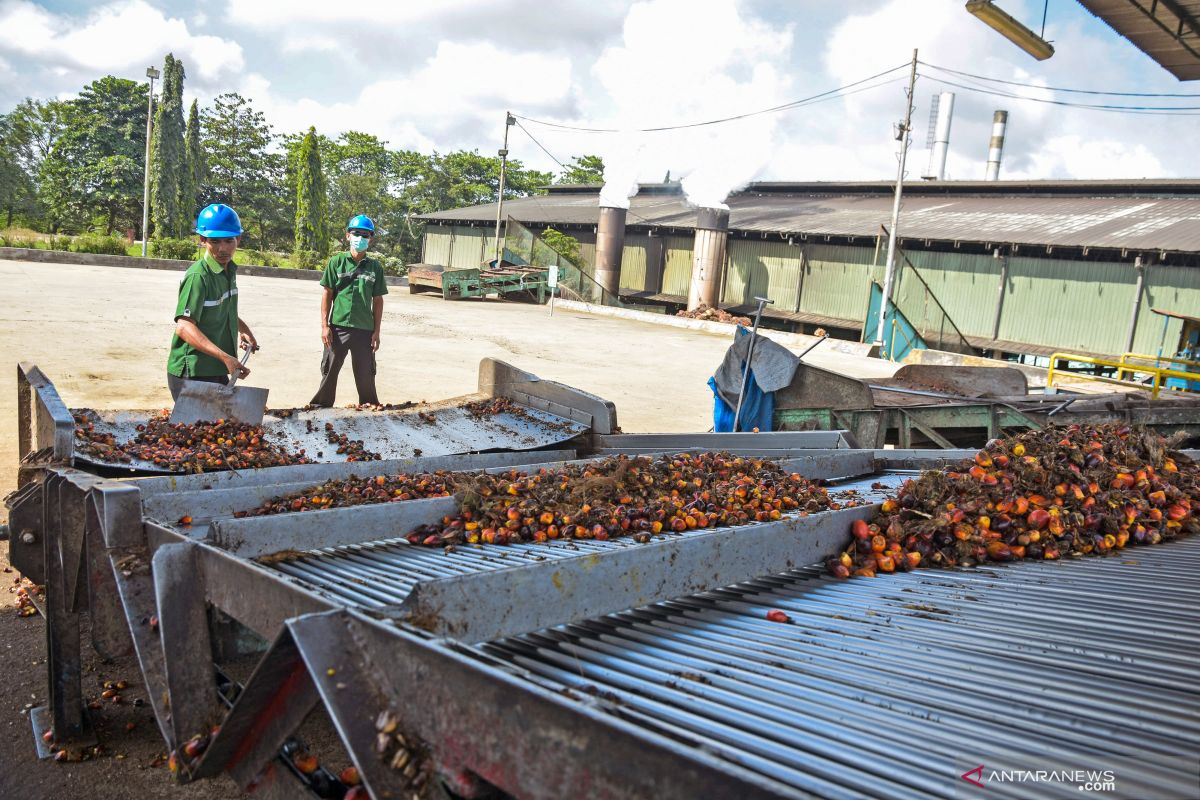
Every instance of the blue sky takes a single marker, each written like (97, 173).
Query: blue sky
(440, 75)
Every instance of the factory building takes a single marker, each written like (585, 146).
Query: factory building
(1023, 268)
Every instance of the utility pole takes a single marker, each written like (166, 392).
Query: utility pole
(890, 268)
(151, 73)
(509, 121)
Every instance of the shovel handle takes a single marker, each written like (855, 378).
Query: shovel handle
(245, 357)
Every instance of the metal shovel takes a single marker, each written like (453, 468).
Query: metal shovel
(207, 402)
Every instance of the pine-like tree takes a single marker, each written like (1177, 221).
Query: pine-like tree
(167, 154)
(312, 234)
(191, 178)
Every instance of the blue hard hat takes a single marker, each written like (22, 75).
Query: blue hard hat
(218, 221)
(362, 222)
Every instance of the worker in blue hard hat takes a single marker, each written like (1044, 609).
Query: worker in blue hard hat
(207, 325)
(352, 290)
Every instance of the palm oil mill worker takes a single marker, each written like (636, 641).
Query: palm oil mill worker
(207, 325)
(353, 287)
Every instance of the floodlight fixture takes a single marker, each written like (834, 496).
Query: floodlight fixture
(1008, 27)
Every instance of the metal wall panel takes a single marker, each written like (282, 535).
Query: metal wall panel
(467, 250)
(633, 263)
(437, 245)
(966, 286)
(678, 273)
(763, 269)
(837, 280)
(1167, 289)
(1069, 305)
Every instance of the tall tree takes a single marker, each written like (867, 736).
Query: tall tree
(312, 231)
(191, 178)
(17, 193)
(243, 171)
(583, 169)
(166, 153)
(93, 174)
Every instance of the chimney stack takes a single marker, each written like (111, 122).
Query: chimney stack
(610, 245)
(708, 257)
(941, 137)
(996, 147)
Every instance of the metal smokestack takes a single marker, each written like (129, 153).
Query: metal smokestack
(996, 147)
(708, 257)
(610, 245)
(941, 137)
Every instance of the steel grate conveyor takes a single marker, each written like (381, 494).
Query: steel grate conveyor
(895, 687)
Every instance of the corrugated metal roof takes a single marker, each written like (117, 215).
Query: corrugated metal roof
(1119, 222)
(1168, 32)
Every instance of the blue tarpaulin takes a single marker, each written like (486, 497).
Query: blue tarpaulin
(758, 408)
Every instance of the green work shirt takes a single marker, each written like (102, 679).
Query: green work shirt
(208, 297)
(353, 306)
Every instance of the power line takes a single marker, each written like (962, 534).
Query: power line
(539, 144)
(1054, 88)
(771, 110)
(1162, 111)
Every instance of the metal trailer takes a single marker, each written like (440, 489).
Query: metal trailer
(605, 669)
(508, 281)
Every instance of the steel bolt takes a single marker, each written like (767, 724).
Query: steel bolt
(27, 536)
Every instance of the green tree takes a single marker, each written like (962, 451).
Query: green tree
(167, 154)
(312, 231)
(35, 127)
(565, 245)
(191, 178)
(244, 172)
(92, 176)
(17, 191)
(583, 169)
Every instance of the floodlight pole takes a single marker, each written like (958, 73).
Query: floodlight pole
(890, 268)
(509, 121)
(151, 73)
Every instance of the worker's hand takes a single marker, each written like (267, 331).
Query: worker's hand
(248, 341)
(374, 341)
(234, 367)
(326, 336)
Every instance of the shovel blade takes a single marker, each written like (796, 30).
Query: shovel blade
(208, 402)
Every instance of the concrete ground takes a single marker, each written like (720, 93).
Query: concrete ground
(101, 334)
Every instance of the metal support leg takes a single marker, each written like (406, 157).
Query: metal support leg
(63, 658)
(187, 651)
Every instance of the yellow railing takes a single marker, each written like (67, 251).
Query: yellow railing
(1157, 373)
(1130, 358)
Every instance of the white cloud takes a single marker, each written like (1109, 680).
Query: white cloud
(120, 38)
(461, 90)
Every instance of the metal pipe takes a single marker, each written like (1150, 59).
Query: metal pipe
(941, 137)
(1000, 298)
(151, 73)
(996, 145)
(890, 268)
(1137, 303)
(737, 414)
(509, 121)
(708, 257)
(610, 246)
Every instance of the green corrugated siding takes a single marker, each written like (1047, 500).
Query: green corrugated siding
(837, 281)
(967, 286)
(1167, 289)
(468, 248)
(758, 268)
(1082, 306)
(437, 246)
(633, 264)
(677, 275)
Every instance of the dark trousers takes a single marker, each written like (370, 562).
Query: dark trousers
(176, 384)
(356, 342)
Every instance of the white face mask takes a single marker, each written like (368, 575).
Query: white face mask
(359, 244)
